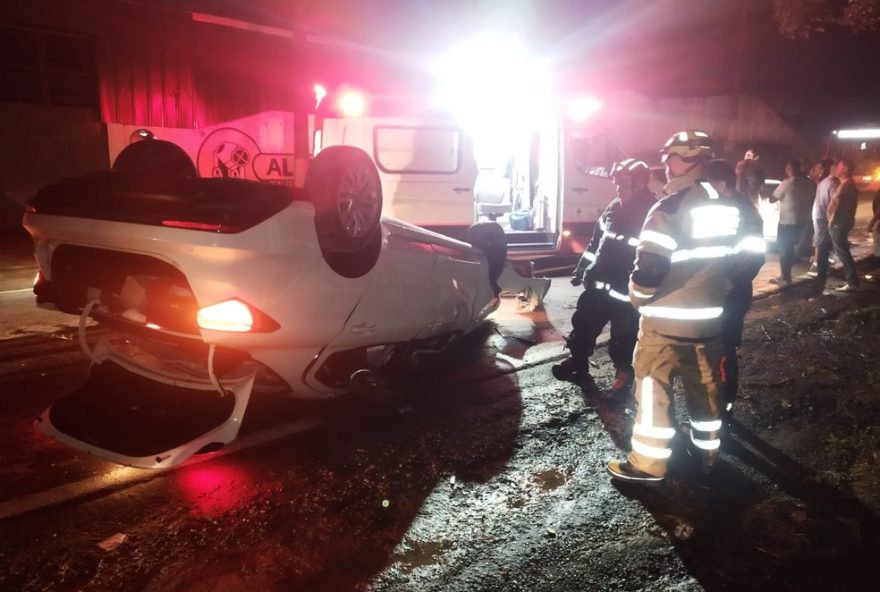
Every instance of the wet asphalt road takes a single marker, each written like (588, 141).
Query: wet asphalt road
(482, 473)
(378, 490)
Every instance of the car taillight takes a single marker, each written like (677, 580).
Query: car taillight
(230, 315)
(234, 316)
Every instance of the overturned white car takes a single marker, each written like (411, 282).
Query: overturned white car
(207, 285)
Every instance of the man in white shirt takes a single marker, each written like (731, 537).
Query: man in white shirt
(825, 188)
(795, 196)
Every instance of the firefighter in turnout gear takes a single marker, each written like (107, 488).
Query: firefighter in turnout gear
(604, 271)
(690, 248)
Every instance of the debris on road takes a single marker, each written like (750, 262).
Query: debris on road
(111, 543)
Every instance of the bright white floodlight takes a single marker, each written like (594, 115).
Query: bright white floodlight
(491, 77)
(582, 108)
(868, 133)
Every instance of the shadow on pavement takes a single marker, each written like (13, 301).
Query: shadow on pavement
(326, 509)
(733, 534)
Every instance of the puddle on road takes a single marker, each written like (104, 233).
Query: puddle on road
(550, 479)
(544, 481)
(420, 554)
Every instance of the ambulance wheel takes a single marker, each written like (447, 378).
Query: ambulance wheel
(489, 237)
(155, 159)
(344, 187)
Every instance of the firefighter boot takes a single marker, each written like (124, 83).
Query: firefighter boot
(623, 471)
(706, 459)
(571, 370)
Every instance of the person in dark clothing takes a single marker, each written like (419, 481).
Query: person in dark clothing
(749, 176)
(841, 214)
(722, 176)
(604, 271)
(874, 227)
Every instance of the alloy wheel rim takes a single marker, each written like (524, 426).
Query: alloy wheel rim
(357, 200)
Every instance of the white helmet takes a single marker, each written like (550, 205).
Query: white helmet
(630, 166)
(689, 145)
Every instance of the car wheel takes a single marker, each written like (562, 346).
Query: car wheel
(344, 187)
(355, 265)
(489, 237)
(155, 159)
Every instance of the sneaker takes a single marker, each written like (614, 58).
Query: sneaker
(846, 288)
(570, 370)
(623, 380)
(813, 271)
(622, 470)
(781, 281)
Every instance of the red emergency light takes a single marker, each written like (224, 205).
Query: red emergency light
(351, 104)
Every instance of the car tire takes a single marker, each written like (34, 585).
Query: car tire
(155, 159)
(489, 237)
(355, 265)
(345, 189)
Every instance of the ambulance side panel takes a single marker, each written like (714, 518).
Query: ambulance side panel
(427, 170)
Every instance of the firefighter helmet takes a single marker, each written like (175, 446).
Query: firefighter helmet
(632, 167)
(689, 145)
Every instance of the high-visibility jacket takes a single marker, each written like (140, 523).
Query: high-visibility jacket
(608, 260)
(691, 246)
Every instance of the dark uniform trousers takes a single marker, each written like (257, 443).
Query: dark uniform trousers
(737, 304)
(595, 309)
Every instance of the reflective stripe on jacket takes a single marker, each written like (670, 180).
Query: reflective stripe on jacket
(691, 245)
(609, 257)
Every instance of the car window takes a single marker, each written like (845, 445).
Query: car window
(429, 150)
(594, 153)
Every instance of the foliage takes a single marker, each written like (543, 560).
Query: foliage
(798, 19)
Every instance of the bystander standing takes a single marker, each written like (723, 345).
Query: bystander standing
(795, 196)
(841, 215)
(821, 241)
(749, 176)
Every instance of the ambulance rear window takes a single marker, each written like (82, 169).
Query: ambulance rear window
(417, 150)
